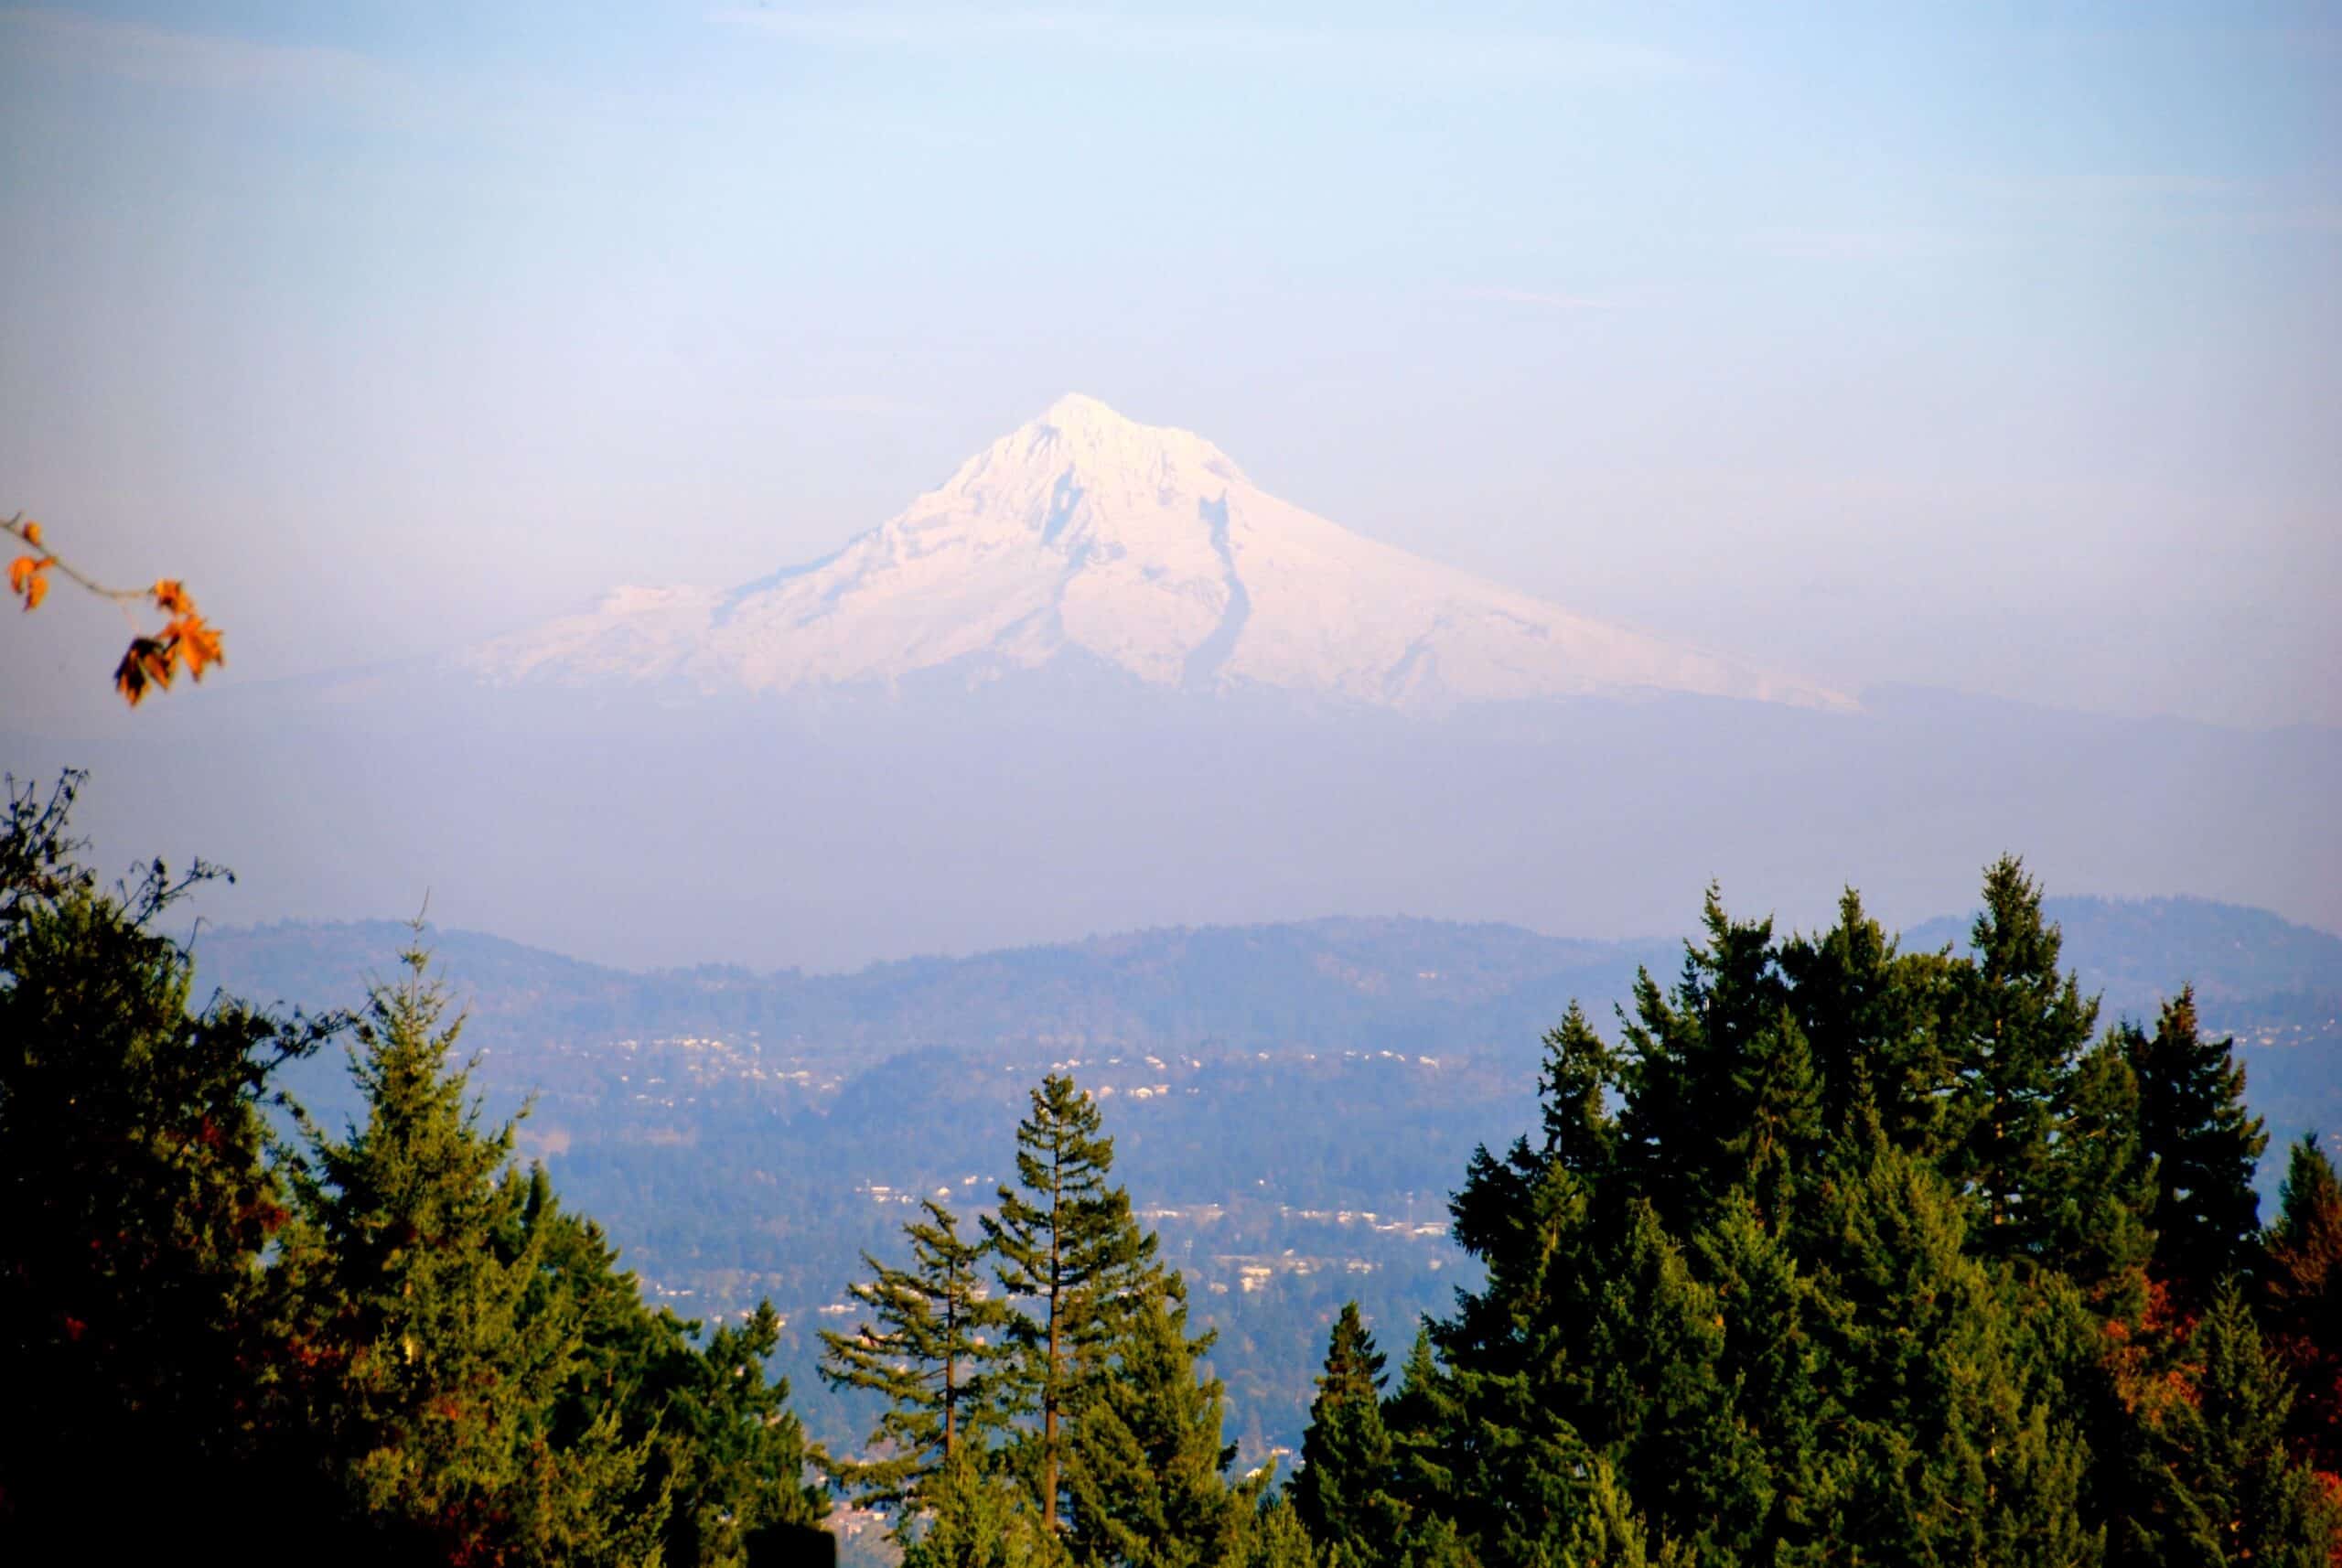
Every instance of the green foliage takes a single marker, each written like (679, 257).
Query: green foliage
(1419, 1418)
(139, 1332)
(432, 1292)
(934, 1333)
(971, 1516)
(2223, 1488)
(2101, 1187)
(1064, 1241)
(1960, 1453)
(2301, 1285)
(398, 1342)
(1275, 1537)
(1144, 1464)
(1065, 1421)
(1847, 1254)
(727, 1445)
(1349, 1464)
(2020, 1027)
(2193, 1124)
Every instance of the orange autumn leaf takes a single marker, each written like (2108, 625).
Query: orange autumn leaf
(197, 643)
(34, 590)
(171, 597)
(20, 572)
(32, 534)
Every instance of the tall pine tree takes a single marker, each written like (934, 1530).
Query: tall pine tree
(1420, 1417)
(425, 1280)
(2302, 1277)
(1074, 1263)
(2022, 1028)
(1694, 1056)
(1145, 1462)
(1348, 1465)
(936, 1329)
(2206, 1145)
(1873, 1016)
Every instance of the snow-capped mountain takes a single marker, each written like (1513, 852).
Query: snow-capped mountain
(1085, 535)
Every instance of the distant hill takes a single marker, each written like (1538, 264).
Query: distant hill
(1418, 985)
(1329, 983)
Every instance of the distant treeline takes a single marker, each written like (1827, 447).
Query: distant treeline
(1834, 1253)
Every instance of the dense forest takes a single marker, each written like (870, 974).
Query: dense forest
(1831, 1251)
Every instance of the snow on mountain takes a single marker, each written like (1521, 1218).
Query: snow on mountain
(1086, 533)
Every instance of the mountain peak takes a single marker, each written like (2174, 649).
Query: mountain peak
(1080, 411)
(1078, 443)
(1082, 534)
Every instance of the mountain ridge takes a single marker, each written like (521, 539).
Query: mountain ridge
(1319, 981)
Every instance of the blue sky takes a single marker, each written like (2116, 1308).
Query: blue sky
(1978, 346)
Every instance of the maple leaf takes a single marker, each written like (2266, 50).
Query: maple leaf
(197, 640)
(161, 660)
(22, 570)
(138, 668)
(171, 597)
(34, 590)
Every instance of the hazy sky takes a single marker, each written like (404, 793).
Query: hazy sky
(1987, 346)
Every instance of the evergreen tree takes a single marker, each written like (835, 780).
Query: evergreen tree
(1579, 1071)
(1144, 1464)
(1783, 1391)
(2301, 1278)
(1274, 1536)
(409, 1352)
(1661, 1400)
(427, 1292)
(1522, 1370)
(935, 1332)
(732, 1454)
(2228, 1490)
(1064, 1241)
(1343, 1492)
(1693, 1058)
(1604, 1531)
(2206, 1145)
(140, 1339)
(976, 1517)
(1420, 1417)
(2101, 1188)
(1781, 1100)
(1873, 1017)
(2022, 1025)
(1436, 1542)
(1957, 1452)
